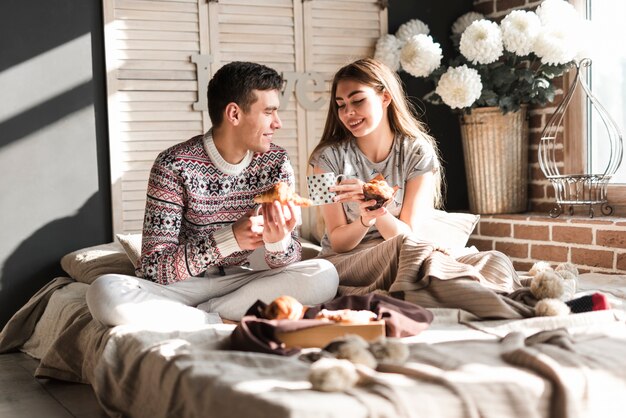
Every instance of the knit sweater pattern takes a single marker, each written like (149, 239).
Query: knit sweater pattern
(191, 204)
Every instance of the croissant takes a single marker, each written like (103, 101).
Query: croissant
(378, 189)
(347, 316)
(284, 307)
(283, 193)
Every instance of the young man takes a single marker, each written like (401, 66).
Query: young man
(200, 226)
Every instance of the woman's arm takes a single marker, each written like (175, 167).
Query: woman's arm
(418, 200)
(416, 203)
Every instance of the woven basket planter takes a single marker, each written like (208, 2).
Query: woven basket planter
(495, 150)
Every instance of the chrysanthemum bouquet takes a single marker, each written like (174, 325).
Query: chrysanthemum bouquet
(504, 65)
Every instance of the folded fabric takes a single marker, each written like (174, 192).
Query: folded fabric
(254, 333)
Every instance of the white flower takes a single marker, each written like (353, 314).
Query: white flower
(388, 51)
(481, 42)
(459, 25)
(519, 31)
(557, 13)
(411, 28)
(554, 46)
(459, 87)
(420, 56)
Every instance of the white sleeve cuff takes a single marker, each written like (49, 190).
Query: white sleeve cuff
(279, 247)
(226, 241)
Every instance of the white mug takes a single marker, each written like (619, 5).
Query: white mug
(318, 186)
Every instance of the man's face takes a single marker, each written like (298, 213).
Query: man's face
(259, 123)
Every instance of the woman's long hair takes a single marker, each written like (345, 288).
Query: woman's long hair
(400, 112)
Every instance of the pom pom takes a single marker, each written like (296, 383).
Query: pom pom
(567, 267)
(551, 307)
(352, 348)
(332, 375)
(547, 284)
(389, 350)
(539, 267)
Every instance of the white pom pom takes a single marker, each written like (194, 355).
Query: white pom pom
(332, 375)
(355, 349)
(567, 267)
(539, 267)
(570, 284)
(551, 307)
(546, 284)
(389, 350)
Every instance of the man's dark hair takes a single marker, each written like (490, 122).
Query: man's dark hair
(234, 82)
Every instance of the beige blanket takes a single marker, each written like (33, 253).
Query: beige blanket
(549, 374)
(472, 372)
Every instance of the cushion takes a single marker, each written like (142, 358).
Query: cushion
(132, 245)
(448, 229)
(87, 264)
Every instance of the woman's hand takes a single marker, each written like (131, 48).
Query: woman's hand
(349, 190)
(368, 217)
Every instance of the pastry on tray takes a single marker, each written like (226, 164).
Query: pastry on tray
(377, 189)
(284, 307)
(347, 316)
(283, 193)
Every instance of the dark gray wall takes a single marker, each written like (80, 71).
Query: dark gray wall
(53, 141)
(53, 137)
(443, 123)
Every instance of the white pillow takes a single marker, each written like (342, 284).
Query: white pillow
(448, 229)
(132, 245)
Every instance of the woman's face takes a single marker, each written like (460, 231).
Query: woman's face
(361, 108)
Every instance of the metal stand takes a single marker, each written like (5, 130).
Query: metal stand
(579, 189)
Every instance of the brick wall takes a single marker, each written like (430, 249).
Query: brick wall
(597, 244)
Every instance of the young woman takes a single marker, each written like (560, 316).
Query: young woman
(371, 129)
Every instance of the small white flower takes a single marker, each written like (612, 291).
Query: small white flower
(519, 31)
(557, 13)
(554, 46)
(481, 42)
(388, 51)
(411, 28)
(459, 87)
(420, 56)
(459, 25)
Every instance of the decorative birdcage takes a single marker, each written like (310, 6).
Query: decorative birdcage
(579, 189)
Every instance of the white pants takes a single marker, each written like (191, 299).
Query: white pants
(116, 299)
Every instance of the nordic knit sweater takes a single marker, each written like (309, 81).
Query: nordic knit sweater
(194, 196)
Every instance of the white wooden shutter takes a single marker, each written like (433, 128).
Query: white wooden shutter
(335, 34)
(152, 83)
(151, 89)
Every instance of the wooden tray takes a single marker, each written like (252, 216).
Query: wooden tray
(320, 336)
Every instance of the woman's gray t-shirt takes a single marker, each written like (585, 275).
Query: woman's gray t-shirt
(408, 158)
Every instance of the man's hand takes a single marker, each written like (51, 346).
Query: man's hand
(248, 231)
(276, 223)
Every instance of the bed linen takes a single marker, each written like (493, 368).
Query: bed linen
(571, 366)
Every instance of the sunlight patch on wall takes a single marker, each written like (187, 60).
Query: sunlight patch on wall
(52, 167)
(45, 76)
